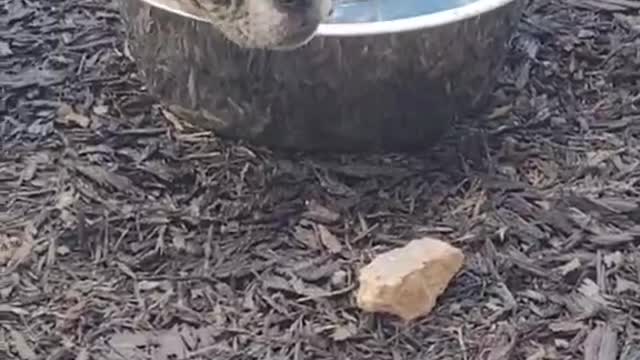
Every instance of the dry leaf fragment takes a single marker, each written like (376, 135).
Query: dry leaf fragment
(22, 252)
(566, 327)
(499, 112)
(318, 213)
(103, 177)
(66, 199)
(624, 285)
(129, 345)
(344, 332)
(613, 239)
(170, 346)
(100, 110)
(570, 267)
(8, 309)
(173, 119)
(67, 116)
(315, 271)
(5, 49)
(21, 346)
(608, 345)
(503, 343)
(29, 171)
(631, 352)
(305, 233)
(601, 344)
(83, 354)
(277, 283)
(306, 289)
(329, 240)
(8, 247)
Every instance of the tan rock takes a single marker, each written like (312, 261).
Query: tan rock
(407, 281)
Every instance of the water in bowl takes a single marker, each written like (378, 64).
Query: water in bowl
(354, 11)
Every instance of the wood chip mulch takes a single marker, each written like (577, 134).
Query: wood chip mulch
(122, 238)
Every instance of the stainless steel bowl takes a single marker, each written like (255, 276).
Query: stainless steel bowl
(370, 85)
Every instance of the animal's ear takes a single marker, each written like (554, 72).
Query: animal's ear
(187, 8)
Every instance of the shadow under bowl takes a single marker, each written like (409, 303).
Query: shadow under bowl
(371, 86)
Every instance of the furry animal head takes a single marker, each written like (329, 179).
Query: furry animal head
(267, 24)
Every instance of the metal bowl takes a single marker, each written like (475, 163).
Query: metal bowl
(358, 85)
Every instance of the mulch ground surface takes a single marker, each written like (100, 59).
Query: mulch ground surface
(123, 238)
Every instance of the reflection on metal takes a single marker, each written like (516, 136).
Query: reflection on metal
(359, 11)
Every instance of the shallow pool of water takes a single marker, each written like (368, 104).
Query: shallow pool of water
(354, 11)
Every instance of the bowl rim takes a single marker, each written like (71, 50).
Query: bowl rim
(413, 23)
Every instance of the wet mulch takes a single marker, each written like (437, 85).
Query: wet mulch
(122, 238)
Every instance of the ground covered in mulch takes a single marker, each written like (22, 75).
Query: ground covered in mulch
(122, 238)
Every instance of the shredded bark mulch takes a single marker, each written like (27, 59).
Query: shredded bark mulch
(124, 238)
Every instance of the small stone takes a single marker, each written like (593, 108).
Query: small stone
(100, 110)
(407, 281)
(63, 250)
(339, 279)
(558, 121)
